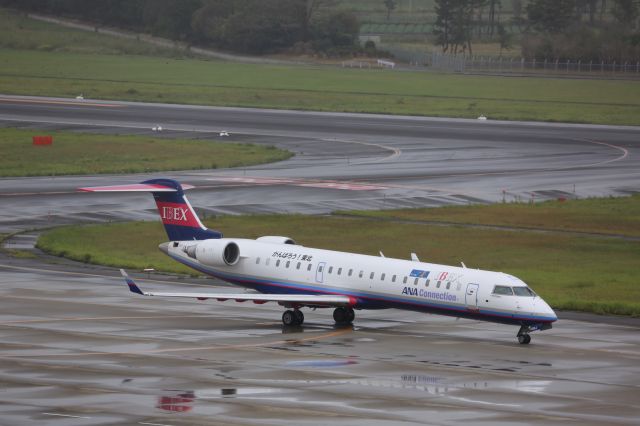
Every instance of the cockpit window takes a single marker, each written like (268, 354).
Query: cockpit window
(523, 291)
(503, 290)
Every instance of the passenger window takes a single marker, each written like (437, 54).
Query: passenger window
(382, 277)
(350, 272)
(339, 271)
(320, 268)
(438, 285)
(309, 267)
(371, 276)
(404, 281)
(361, 273)
(257, 260)
(448, 286)
(267, 261)
(288, 263)
(298, 265)
(415, 282)
(426, 284)
(330, 269)
(278, 262)
(393, 279)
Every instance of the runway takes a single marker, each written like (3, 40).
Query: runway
(342, 162)
(77, 348)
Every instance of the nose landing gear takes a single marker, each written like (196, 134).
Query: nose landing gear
(523, 335)
(524, 339)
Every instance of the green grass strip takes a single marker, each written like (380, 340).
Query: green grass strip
(83, 153)
(571, 272)
(190, 81)
(606, 216)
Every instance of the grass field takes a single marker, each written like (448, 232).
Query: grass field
(79, 153)
(584, 273)
(620, 216)
(153, 79)
(45, 59)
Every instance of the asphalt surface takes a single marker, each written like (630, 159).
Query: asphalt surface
(77, 348)
(343, 161)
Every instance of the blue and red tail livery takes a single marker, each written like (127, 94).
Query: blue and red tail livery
(180, 220)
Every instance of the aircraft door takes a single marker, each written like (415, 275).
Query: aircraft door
(320, 271)
(471, 296)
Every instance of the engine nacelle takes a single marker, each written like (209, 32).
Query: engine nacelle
(218, 252)
(272, 239)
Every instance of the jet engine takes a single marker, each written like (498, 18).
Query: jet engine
(215, 252)
(272, 239)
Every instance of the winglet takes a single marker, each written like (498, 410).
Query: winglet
(132, 285)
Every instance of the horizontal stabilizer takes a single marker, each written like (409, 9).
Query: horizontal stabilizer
(136, 187)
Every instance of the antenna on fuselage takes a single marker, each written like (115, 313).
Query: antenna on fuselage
(381, 253)
(414, 257)
(463, 265)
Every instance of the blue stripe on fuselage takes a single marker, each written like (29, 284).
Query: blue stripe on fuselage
(368, 301)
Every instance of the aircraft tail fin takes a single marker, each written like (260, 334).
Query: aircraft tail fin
(178, 217)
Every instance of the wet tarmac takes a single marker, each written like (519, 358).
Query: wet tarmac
(78, 349)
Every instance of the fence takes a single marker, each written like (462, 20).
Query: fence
(500, 65)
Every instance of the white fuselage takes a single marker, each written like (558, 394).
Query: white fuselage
(374, 282)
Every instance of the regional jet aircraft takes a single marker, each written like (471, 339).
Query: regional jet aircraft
(294, 276)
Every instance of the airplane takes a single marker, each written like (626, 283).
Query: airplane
(295, 276)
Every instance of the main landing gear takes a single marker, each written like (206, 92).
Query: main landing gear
(343, 316)
(295, 317)
(292, 317)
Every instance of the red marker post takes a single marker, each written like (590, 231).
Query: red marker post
(43, 140)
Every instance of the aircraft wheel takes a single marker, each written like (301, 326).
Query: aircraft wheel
(524, 339)
(340, 315)
(298, 316)
(288, 318)
(350, 315)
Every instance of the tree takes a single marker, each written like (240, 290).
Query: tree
(625, 12)
(454, 23)
(170, 18)
(390, 5)
(336, 31)
(494, 6)
(551, 16)
(504, 37)
(444, 21)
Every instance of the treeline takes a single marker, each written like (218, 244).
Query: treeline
(585, 30)
(248, 26)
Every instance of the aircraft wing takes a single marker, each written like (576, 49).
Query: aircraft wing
(257, 298)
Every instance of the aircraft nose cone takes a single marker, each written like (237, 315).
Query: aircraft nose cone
(164, 247)
(546, 310)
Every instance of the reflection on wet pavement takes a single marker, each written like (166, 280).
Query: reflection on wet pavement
(75, 350)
